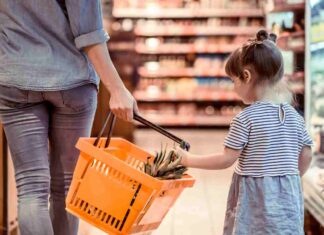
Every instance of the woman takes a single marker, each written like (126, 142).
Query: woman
(52, 54)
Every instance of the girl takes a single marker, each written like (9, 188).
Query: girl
(270, 142)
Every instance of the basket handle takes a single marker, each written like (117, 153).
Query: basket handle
(112, 119)
(183, 144)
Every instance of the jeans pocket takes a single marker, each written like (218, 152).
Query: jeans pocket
(13, 97)
(80, 98)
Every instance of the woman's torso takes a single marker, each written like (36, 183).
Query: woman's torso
(37, 49)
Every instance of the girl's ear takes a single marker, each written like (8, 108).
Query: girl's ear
(247, 75)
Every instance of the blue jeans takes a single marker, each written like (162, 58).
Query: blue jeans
(42, 129)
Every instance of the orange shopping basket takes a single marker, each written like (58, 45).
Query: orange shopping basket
(110, 191)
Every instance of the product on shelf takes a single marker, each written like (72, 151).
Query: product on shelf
(287, 20)
(182, 46)
(188, 4)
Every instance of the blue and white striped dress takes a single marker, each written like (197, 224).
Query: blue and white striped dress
(265, 197)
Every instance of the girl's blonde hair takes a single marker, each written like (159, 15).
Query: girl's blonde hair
(263, 57)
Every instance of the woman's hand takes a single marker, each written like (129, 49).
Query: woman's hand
(123, 104)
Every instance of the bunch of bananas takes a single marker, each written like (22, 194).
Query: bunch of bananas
(165, 166)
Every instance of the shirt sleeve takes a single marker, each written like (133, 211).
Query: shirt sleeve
(306, 139)
(85, 18)
(238, 135)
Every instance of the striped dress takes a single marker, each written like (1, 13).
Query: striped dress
(265, 197)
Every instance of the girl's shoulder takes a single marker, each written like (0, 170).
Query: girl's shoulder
(263, 110)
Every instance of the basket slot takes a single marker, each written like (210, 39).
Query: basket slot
(107, 171)
(73, 198)
(98, 214)
(97, 165)
(85, 206)
(113, 221)
(103, 168)
(90, 210)
(132, 162)
(108, 218)
(93, 163)
(103, 216)
(141, 166)
(114, 174)
(138, 162)
(76, 202)
(128, 159)
(135, 163)
(81, 203)
(117, 223)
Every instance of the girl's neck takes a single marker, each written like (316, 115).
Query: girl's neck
(276, 94)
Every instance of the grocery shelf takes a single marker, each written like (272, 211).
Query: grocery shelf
(189, 120)
(297, 88)
(185, 48)
(289, 7)
(299, 49)
(296, 76)
(212, 96)
(175, 30)
(160, 13)
(121, 46)
(183, 41)
(291, 35)
(316, 46)
(314, 194)
(178, 72)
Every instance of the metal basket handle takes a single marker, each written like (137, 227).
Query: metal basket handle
(112, 119)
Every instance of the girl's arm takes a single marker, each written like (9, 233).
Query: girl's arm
(305, 158)
(209, 162)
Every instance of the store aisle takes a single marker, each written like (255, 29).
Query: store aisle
(199, 210)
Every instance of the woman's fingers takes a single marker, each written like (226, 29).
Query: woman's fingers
(123, 105)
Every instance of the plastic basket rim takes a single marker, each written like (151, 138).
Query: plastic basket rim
(161, 182)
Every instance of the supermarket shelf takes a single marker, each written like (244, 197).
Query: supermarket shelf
(185, 48)
(121, 46)
(159, 13)
(295, 76)
(195, 30)
(299, 49)
(143, 96)
(291, 35)
(297, 88)
(178, 72)
(314, 194)
(289, 7)
(316, 46)
(188, 120)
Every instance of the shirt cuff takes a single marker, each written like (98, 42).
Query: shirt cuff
(92, 38)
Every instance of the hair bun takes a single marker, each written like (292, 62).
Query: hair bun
(273, 37)
(262, 35)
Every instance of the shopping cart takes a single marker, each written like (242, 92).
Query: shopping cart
(110, 190)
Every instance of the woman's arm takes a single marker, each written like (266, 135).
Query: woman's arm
(305, 158)
(215, 161)
(85, 18)
(122, 103)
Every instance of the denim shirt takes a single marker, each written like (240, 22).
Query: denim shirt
(41, 43)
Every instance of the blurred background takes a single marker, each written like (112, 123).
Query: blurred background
(171, 55)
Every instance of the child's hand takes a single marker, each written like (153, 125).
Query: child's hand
(183, 155)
